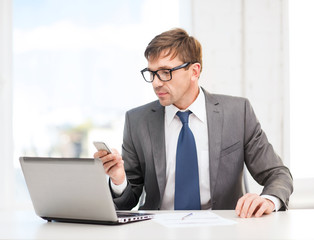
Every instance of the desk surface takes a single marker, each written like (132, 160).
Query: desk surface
(292, 224)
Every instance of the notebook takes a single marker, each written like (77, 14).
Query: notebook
(73, 190)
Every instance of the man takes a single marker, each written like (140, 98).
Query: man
(220, 133)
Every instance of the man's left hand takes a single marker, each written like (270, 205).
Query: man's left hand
(253, 205)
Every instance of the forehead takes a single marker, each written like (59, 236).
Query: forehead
(163, 60)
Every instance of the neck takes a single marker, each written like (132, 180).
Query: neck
(192, 97)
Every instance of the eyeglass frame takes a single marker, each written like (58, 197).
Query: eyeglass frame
(170, 72)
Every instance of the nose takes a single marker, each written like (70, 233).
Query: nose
(157, 82)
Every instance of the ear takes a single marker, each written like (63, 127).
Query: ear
(196, 71)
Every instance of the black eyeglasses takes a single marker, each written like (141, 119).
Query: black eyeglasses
(164, 75)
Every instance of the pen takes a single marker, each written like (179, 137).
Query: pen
(184, 217)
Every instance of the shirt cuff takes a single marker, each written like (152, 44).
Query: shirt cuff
(275, 200)
(118, 189)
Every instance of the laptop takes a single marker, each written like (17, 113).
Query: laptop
(73, 190)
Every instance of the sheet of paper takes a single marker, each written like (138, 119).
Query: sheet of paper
(191, 219)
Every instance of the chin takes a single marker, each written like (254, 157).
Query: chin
(164, 103)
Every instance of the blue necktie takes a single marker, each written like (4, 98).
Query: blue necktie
(187, 191)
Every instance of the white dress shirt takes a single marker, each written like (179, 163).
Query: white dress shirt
(198, 125)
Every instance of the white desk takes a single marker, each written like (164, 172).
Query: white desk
(292, 224)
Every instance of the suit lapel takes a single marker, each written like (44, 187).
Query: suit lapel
(157, 134)
(214, 124)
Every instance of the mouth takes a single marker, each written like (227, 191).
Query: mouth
(161, 94)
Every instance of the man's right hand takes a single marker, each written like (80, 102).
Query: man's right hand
(113, 165)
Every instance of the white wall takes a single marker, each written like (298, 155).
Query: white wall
(245, 54)
(6, 145)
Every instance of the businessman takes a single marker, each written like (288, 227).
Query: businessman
(187, 150)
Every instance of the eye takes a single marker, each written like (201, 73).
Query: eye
(164, 72)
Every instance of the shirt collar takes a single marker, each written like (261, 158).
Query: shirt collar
(197, 108)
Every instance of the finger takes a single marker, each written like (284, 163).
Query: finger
(111, 170)
(255, 206)
(100, 154)
(245, 207)
(247, 204)
(107, 157)
(96, 155)
(107, 160)
(109, 165)
(110, 161)
(262, 209)
(241, 202)
(240, 205)
(269, 208)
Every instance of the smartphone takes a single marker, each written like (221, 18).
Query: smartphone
(102, 146)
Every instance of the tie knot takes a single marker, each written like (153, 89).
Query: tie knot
(184, 116)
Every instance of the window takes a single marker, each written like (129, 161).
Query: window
(77, 70)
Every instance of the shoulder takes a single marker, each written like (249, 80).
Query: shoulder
(225, 100)
(232, 106)
(143, 112)
(152, 106)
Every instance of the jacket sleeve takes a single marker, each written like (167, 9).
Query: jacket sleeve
(130, 197)
(263, 163)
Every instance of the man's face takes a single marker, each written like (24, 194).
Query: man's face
(181, 90)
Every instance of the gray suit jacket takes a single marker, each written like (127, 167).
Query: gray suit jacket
(235, 138)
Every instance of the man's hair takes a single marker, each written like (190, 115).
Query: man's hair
(175, 42)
